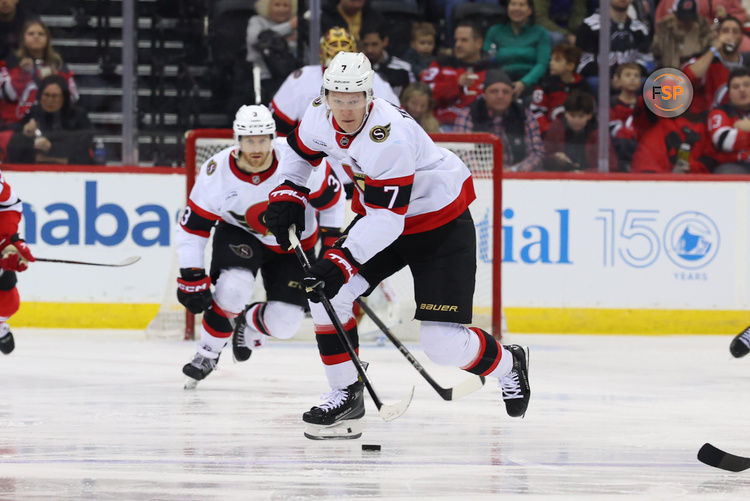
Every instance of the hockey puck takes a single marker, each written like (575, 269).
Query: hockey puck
(370, 447)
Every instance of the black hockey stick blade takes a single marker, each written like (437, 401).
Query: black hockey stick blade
(387, 412)
(124, 262)
(470, 385)
(717, 458)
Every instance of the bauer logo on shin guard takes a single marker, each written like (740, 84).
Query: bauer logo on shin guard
(438, 307)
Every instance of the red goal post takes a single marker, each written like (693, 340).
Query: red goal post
(481, 152)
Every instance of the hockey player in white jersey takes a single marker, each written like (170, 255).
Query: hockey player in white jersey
(303, 85)
(230, 195)
(412, 198)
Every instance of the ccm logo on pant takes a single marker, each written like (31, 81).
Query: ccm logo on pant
(438, 307)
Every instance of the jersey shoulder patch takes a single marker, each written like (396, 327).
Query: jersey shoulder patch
(317, 101)
(297, 73)
(380, 133)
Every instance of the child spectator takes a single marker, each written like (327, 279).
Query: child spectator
(571, 143)
(417, 101)
(34, 60)
(627, 112)
(548, 98)
(422, 47)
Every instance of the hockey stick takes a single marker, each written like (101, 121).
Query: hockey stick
(387, 412)
(256, 84)
(717, 458)
(469, 386)
(124, 262)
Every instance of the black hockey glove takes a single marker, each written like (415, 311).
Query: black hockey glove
(328, 238)
(330, 273)
(194, 290)
(286, 207)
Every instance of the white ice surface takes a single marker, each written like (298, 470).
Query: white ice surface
(102, 415)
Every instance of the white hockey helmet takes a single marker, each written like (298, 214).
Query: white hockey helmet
(349, 72)
(253, 120)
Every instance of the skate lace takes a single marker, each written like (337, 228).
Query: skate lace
(333, 399)
(511, 387)
(201, 361)
(745, 337)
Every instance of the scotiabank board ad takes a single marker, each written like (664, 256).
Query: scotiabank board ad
(578, 256)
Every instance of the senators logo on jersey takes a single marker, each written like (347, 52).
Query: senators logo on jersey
(317, 101)
(380, 133)
(211, 167)
(252, 220)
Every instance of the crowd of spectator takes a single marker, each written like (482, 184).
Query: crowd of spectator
(530, 77)
(39, 119)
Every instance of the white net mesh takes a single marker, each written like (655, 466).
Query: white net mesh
(479, 156)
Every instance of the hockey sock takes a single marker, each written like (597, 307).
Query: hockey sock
(216, 330)
(9, 303)
(339, 367)
(491, 359)
(254, 318)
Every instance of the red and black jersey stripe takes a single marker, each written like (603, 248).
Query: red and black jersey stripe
(199, 221)
(329, 193)
(312, 156)
(393, 194)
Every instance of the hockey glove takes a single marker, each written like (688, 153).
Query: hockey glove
(194, 290)
(286, 207)
(328, 238)
(329, 274)
(15, 254)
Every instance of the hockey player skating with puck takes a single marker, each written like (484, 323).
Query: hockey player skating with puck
(14, 257)
(230, 195)
(413, 199)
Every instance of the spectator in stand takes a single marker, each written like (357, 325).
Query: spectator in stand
(280, 16)
(548, 98)
(417, 101)
(421, 52)
(628, 118)
(681, 35)
(629, 42)
(729, 126)
(392, 69)
(34, 60)
(351, 14)
(572, 141)
(710, 72)
(456, 81)
(54, 131)
(13, 16)
(658, 148)
(707, 9)
(561, 18)
(520, 46)
(497, 112)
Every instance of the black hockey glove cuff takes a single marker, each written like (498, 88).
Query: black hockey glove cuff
(286, 207)
(328, 238)
(194, 290)
(330, 273)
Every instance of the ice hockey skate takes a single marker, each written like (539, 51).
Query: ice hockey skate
(740, 345)
(339, 416)
(515, 385)
(7, 344)
(244, 339)
(200, 367)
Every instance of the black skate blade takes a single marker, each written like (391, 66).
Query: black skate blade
(712, 456)
(393, 411)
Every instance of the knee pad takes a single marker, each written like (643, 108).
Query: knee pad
(282, 319)
(234, 289)
(447, 343)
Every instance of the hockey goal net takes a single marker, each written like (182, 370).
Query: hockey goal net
(482, 153)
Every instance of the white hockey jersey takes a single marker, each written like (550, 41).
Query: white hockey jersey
(404, 183)
(223, 192)
(303, 85)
